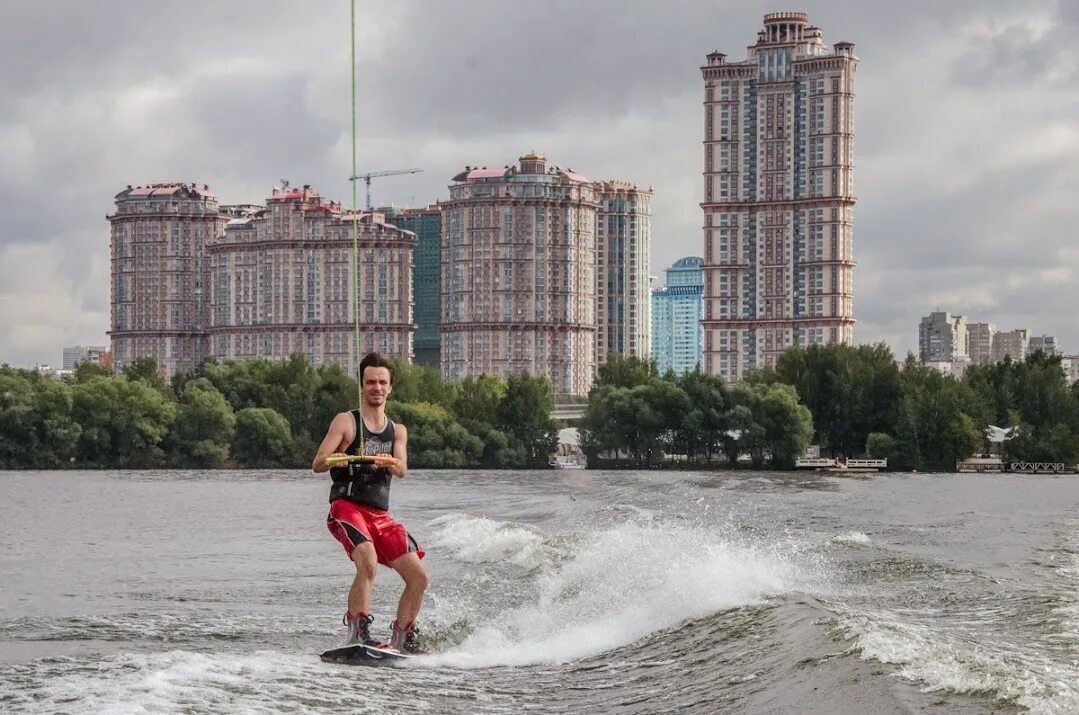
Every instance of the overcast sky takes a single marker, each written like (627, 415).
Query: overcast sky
(966, 122)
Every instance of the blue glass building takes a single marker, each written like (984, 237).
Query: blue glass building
(677, 335)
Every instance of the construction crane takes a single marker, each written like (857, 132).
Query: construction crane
(373, 174)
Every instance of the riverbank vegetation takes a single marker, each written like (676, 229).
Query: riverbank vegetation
(259, 413)
(851, 401)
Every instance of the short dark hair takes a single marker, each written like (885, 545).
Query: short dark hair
(375, 360)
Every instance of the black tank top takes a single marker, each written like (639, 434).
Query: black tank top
(355, 481)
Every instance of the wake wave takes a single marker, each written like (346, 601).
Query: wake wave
(616, 585)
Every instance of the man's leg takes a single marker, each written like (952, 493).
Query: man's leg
(415, 576)
(359, 596)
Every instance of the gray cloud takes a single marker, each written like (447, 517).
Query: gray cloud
(967, 120)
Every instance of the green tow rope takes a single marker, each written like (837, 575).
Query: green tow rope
(355, 232)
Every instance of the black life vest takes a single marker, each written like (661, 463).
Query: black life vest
(363, 482)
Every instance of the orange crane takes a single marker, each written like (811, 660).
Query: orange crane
(373, 174)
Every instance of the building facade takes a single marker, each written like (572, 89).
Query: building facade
(1046, 343)
(942, 337)
(778, 197)
(677, 335)
(426, 223)
(159, 298)
(98, 354)
(283, 282)
(519, 274)
(1011, 344)
(623, 260)
(980, 342)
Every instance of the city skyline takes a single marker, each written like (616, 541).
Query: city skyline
(91, 107)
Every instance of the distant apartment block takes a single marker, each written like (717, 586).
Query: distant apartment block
(623, 240)
(426, 223)
(283, 283)
(159, 299)
(1046, 343)
(955, 368)
(76, 354)
(980, 342)
(778, 196)
(1011, 344)
(677, 335)
(192, 279)
(519, 274)
(942, 337)
(1070, 365)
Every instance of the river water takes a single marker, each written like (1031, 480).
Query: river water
(570, 591)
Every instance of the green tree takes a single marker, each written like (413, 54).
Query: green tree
(880, 446)
(525, 416)
(774, 425)
(936, 424)
(619, 371)
(123, 422)
(36, 428)
(435, 439)
(262, 438)
(850, 391)
(706, 419)
(86, 371)
(146, 370)
(419, 383)
(202, 434)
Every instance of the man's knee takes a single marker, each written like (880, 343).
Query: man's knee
(365, 559)
(418, 579)
(412, 571)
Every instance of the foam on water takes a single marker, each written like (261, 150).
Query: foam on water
(621, 583)
(948, 661)
(163, 682)
(852, 538)
(474, 539)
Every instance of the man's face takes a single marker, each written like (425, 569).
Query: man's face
(376, 385)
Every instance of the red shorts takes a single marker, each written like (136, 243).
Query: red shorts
(352, 524)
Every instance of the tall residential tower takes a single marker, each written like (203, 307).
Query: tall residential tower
(778, 196)
(623, 259)
(519, 274)
(160, 300)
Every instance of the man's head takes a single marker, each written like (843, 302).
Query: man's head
(376, 379)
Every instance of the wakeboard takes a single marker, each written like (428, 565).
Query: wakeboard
(365, 655)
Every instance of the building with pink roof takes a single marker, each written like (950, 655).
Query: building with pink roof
(192, 279)
(282, 283)
(778, 197)
(159, 299)
(519, 274)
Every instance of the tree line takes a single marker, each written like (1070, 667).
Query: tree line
(260, 413)
(850, 400)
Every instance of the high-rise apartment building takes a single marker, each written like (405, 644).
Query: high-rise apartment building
(623, 260)
(677, 335)
(426, 223)
(519, 274)
(76, 354)
(159, 298)
(778, 196)
(942, 337)
(1046, 343)
(1011, 344)
(283, 283)
(980, 342)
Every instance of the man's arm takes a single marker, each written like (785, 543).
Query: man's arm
(334, 442)
(400, 450)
